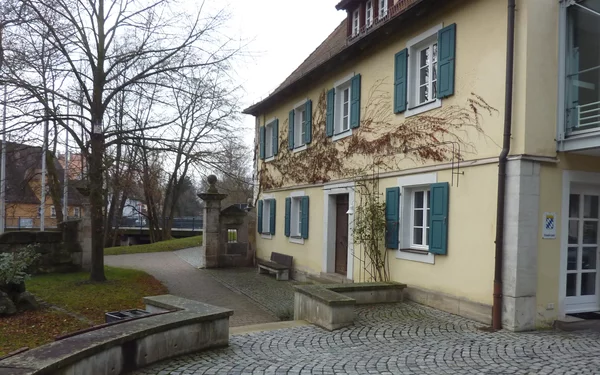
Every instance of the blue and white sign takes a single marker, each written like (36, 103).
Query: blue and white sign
(549, 222)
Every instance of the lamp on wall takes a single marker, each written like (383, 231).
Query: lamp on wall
(350, 210)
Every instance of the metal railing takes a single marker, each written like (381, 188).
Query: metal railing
(588, 115)
(377, 21)
(191, 223)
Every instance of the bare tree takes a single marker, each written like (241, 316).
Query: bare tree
(107, 48)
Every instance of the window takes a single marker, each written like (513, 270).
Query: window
(419, 224)
(52, 211)
(582, 94)
(427, 74)
(299, 129)
(355, 22)
(343, 108)
(269, 140)
(25, 223)
(296, 217)
(77, 212)
(266, 215)
(383, 8)
(369, 13)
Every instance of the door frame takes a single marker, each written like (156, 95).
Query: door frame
(571, 178)
(329, 215)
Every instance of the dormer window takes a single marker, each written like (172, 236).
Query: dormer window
(369, 13)
(383, 8)
(355, 22)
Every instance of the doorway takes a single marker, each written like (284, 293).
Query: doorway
(582, 281)
(341, 233)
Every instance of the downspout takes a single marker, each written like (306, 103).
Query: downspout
(508, 101)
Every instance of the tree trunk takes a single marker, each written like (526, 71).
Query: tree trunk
(119, 215)
(55, 187)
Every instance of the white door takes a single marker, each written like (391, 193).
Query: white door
(582, 251)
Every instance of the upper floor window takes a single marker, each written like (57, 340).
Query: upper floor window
(52, 211)
(77, 212)
(369, 13)
(300, 126)
(343, 107)
(355, 22)
(426, 75)
(299, 129)
(269, 138)
(582, 94)
(342, 121)
(383, 8)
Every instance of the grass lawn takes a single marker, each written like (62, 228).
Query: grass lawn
(170, 245)
(73, 292)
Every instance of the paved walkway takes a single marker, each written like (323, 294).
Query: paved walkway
(396, 339)
(184, 280)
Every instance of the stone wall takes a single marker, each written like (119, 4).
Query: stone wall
(60, 251)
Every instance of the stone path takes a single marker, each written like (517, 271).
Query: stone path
(396, 339)
(276, 296)
(186, 281)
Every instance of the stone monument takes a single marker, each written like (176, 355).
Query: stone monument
(211, 228)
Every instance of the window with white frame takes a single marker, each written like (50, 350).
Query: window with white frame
(383, 8)
(425, 77)
(342, 112)
(77, 212)
(296, 217)
(269, 128)
(419, 219)
(52, 211)
(299, 129)
(355, 22)
(266, 216)
(369, 13)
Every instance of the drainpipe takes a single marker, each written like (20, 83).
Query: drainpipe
(508, 99)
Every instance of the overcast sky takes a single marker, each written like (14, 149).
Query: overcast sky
(281, 34)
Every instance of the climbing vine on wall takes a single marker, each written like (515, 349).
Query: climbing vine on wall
(379, 141)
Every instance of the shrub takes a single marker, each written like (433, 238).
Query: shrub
(13, 266)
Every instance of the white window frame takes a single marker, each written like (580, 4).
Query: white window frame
(369, 13)
(77, 211)
(296, 217)
(269, 128)
(383, 8)
(266, 216)
(356, 22)
(299, 114)
(340, 86)
(52, 211)
(415, 45)
(424, 245)
(406, 250)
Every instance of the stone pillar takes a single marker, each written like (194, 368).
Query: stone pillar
(211, 229)
(521, 231)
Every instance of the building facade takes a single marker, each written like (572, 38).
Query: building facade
(406, 98)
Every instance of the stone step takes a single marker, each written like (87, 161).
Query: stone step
(571, 323)
(328, 278)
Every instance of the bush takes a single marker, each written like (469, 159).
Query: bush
(13, 266)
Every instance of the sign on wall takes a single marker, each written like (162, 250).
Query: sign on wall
(549, 229)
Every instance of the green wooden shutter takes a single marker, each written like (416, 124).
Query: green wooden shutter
(275, 137)
(392, 217)
(355, 102)
(308, 122)
(259, 213)
(272, 217)
(400, 80)
(261, 142)
(329, 117)
(288, 212)
(304, 218)
(291, 130)
(438, 218)
(446, 58)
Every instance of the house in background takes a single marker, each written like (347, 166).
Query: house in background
(23, 189)
(388, 74)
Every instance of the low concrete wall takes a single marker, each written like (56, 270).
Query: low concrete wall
(120, 348)
(331, 306)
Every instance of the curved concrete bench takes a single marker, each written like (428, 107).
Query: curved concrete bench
(331, 306)
(189, 326)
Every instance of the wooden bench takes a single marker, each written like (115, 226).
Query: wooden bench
(280, 264)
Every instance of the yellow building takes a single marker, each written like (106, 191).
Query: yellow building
(409, 98)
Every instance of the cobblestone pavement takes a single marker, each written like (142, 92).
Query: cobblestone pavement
(186, 281)
(277, 296)
(396, 339)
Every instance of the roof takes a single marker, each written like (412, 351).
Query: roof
(23, 163)
(336, 49)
